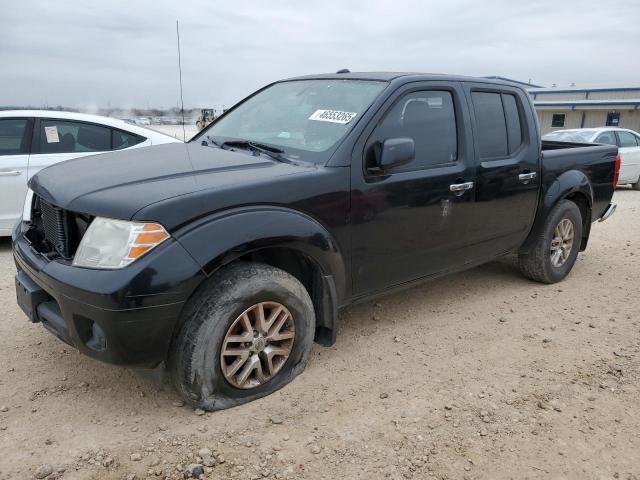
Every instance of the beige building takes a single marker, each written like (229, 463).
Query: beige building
(586, 107)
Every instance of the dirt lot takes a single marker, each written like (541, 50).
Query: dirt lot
(479, 375)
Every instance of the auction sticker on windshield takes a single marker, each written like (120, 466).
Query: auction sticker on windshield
(333, 116)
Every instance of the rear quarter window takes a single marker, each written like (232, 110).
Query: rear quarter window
(120, 139)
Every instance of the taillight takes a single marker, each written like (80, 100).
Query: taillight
(616, 171)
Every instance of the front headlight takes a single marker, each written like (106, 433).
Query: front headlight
(113, 244)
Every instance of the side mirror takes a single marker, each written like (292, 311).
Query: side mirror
(396, 152)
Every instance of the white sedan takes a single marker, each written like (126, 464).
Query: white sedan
(31, 140)
(628, 143)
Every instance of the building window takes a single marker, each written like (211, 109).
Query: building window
(613, 119)
(557, 120)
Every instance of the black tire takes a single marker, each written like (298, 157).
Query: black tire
(636, 186)
(536, 263)
(194, 361)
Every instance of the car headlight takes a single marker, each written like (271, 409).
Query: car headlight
(111, 244)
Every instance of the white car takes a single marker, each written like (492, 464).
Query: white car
(628, 143)
(31, 140)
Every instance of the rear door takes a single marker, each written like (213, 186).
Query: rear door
(507, 155)
(57, 140)
(15, 140)
(406, 222)
(629, 156)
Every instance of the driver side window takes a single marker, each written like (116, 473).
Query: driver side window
(428, 118)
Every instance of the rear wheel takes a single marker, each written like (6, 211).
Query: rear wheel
(246, 333)
(556, 249)
(636, 186)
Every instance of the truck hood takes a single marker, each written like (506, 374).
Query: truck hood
(119, 184)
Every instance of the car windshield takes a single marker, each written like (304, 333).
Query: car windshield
(577, 136)
(299, 117)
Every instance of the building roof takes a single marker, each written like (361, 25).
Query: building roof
(582, 90)
(587, 103)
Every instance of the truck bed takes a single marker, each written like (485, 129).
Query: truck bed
(595, 162)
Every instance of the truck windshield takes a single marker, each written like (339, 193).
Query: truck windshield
(298, 116)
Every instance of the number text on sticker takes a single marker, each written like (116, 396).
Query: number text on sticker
(333, 116)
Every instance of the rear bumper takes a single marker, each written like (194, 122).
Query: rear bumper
(608, 211)
(125, 316)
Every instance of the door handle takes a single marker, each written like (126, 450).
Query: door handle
(9, 173)
(527, 177)
(461, 187)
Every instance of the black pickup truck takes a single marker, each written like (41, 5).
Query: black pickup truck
(226, 257)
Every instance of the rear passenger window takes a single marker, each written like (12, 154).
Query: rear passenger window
(512, 117)
(58, 136)
(12, 136)
(428, 117)
(498, 121)
(120, 139)
(491, 125)
(606, 138)
(627, 139)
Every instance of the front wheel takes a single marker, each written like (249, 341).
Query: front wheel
(246, 333)
(556, 249)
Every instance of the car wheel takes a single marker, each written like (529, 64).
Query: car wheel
(246, 333)
(556, 249)
(636, 186)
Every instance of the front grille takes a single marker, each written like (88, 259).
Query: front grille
(56, 232)
(54, 225)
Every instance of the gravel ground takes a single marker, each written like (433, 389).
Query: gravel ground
(482, 374)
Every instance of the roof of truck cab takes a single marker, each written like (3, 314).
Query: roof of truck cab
(408, 76)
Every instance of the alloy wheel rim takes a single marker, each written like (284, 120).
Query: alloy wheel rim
(257, 345)
(562, 242)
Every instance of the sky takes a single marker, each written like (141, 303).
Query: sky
(115, 53)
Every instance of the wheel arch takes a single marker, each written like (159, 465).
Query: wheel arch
(280, 237)
(574, 186)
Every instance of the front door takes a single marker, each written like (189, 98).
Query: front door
(15, 139)
(507, 170)
(407, 223)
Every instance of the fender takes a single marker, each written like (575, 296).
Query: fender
(221, 238)
(565, 185)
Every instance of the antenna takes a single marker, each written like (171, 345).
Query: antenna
(184, 135)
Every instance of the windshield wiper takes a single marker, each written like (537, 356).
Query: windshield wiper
(206, 143)
(273, 152)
